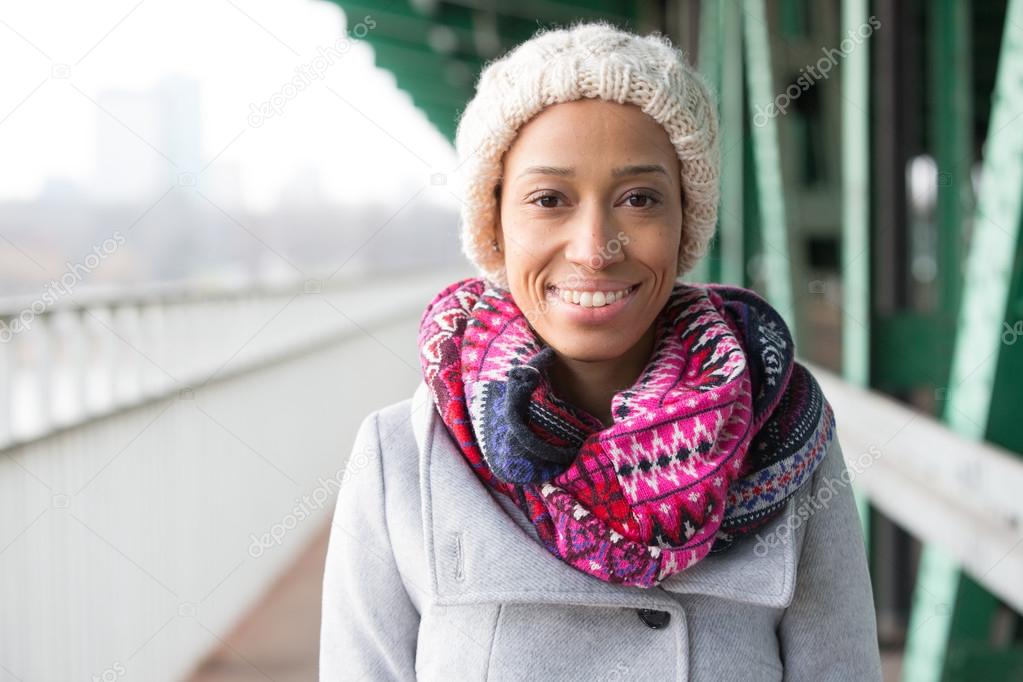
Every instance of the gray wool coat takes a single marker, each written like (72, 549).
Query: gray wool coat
(431, 576)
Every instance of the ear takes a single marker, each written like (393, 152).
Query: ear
(498, 231)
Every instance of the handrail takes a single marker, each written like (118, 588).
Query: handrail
(959, 494)
(191, 289)
(111, 349)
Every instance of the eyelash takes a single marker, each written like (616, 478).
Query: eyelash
(654, 200)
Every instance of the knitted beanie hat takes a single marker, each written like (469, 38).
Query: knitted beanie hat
(595, 60)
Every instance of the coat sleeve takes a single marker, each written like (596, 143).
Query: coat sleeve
(369, 627)
(829, 631)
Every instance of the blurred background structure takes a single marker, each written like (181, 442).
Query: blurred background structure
(220, 221)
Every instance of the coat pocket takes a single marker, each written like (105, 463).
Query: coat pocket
(568, 642)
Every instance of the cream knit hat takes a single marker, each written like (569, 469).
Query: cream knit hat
(592, 59)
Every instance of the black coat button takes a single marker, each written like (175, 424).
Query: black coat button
(655, 619)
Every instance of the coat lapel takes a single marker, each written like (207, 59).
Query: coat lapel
(481, 548)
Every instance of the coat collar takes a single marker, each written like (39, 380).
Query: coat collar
(481, 548)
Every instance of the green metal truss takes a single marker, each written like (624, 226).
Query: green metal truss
(949, 632)
(436, 50)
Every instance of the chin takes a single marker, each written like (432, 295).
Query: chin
(595, 346)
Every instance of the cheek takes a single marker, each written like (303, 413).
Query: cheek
(521, 262)
(527, 247)
(522, 267)
(656, 246)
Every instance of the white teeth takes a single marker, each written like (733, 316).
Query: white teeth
(591, 299)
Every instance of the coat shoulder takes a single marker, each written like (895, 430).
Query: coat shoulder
(393, 442)
(393, 438)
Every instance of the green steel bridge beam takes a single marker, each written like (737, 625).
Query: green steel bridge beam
(949, 627)
(720, 61)
(770, 194)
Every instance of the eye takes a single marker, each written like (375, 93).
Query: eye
(546, 200)
(644, 199)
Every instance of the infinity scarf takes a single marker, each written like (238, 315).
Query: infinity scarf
(719, 430)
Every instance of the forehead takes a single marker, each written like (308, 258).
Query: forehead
(593, 131)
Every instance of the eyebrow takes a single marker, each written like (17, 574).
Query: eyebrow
(624, 171)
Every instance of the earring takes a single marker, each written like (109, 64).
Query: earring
(497, 247)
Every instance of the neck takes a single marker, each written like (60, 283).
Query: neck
(591, 384)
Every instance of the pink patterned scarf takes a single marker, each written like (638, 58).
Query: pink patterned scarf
(720, 428)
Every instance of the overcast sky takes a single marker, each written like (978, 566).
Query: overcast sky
(59, 58)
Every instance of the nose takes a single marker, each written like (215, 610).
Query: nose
(594, 241)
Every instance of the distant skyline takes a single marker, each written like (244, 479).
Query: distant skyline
(94, 84)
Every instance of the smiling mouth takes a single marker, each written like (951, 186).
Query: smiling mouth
(591, 299)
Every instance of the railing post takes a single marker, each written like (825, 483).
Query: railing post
(68, 391)
(152, 331)
(128, 366)
(6, 379)
(31, 379)
(99, 373)
(179, 335)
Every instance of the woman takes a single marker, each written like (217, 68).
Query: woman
(606, 473)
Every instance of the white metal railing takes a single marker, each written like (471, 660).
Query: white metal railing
(957, 494)
(158, 449)
(105, 350)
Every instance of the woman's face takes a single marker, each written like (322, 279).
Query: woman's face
(590, 224)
